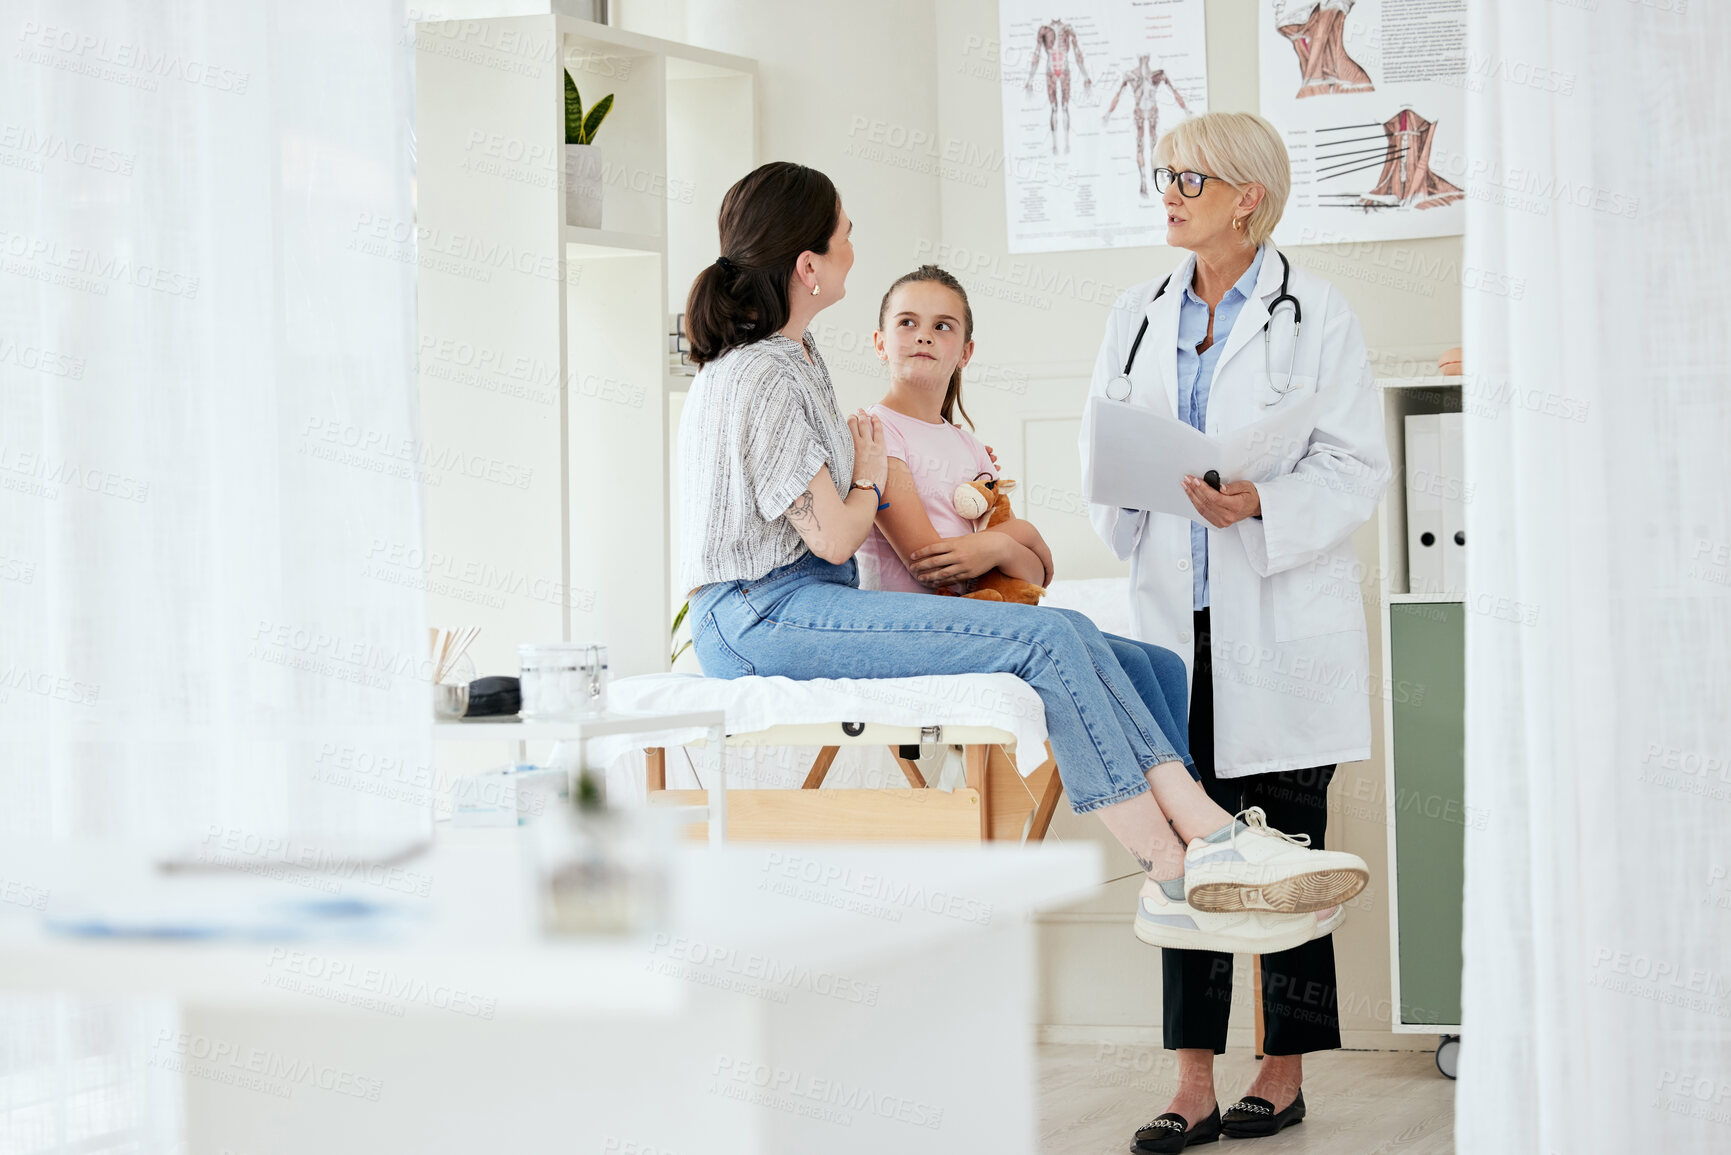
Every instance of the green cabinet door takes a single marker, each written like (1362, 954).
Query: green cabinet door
(1427, 645)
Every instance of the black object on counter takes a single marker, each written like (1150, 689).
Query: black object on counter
(493, 695)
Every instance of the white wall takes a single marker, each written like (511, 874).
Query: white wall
(823, 68)
(899, 102)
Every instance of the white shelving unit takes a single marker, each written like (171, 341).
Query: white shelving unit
(543, 346)
(587, 244)
(1406, 803)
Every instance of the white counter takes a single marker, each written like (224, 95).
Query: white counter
(799, 999)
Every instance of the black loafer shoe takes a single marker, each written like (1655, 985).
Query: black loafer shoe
(1170, 1133)
(1250, 1117)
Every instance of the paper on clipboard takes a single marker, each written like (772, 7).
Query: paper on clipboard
(1140, 457)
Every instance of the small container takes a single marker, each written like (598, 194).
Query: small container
(451, 696)
(450, 702)
(562, 681)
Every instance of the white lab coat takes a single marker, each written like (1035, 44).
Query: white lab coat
(1292, 684)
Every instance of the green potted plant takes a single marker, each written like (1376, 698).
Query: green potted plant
(682, 660)
(582, 158)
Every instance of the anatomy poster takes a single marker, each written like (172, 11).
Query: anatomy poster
(1089, 86)
(1368, 95)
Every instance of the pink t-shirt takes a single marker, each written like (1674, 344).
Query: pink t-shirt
(940, 456)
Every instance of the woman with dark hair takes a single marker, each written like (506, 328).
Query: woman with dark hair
(778, 492)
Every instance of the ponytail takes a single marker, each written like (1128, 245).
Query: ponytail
(953, 400)
(768, 218)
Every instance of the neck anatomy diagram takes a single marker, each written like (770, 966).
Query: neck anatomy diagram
(1317, 30)
(1054, 43)
(1406, 180)
(1144, 83)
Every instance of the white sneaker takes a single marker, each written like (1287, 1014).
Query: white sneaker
(1330, 920)
(1163, 922)
(1259, 868)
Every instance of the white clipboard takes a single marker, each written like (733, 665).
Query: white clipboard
(1139, 457)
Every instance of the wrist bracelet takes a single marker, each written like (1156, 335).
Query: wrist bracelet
(862, 483)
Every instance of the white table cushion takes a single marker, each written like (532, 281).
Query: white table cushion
(1002, 701)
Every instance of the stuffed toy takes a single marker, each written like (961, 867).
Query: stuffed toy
(991, 500)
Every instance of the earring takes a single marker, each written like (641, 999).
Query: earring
(814, 290)
(1237, 222)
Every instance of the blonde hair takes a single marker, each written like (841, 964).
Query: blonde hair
(1241, 149)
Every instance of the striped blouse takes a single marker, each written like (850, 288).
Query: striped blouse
(759, 423)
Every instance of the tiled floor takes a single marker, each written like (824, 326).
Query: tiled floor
(1093, 1097)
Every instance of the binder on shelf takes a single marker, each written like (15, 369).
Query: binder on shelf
(1424, 519)
(1451, 478)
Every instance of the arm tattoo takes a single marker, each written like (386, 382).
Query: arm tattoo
(803, 512)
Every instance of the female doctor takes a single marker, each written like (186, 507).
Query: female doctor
(1280, 689)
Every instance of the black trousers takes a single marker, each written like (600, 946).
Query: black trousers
(1300, 1011)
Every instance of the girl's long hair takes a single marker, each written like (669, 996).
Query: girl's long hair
(768, 218)
(952, 395)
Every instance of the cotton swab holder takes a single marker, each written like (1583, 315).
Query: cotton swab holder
(452, 670)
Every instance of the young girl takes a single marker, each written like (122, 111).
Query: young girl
(927, 342)
(921, 544)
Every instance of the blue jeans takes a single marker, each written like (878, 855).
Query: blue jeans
(1158, 675)
(810, 619)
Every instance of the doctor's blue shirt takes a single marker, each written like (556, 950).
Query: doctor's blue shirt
(1196, 377)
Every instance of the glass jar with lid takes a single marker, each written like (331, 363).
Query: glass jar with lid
(562, 681)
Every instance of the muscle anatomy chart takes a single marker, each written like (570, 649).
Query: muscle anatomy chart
(1372, 116)
(1317, 30)
(1055, 44)
(1143, 83)
(1077, 176)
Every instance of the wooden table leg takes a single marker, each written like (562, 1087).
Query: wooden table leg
(974, 763)
(655, 767)
(820, 768)
(909, 770)
(1048, 788)
(1256, 999)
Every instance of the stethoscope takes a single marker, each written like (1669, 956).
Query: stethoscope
(1118, 389)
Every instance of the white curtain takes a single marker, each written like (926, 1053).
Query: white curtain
(1597, 988)
(208, 439)
(209, 427)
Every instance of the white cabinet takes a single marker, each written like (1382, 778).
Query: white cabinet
(1423, 688)
(543, 347)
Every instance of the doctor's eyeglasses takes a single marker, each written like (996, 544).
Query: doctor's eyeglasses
(1190, 184)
